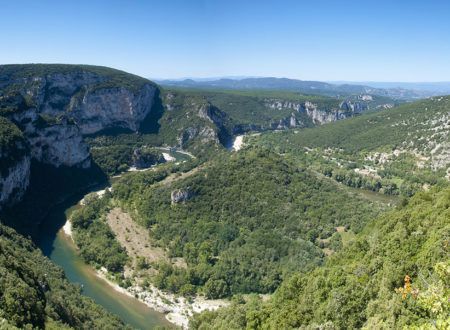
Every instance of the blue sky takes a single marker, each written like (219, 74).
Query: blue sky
(312, 40)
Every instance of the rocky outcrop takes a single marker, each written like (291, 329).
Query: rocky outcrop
(88, 99)
(212, 114)
(54, 141)
(55, 106)
(354, 107)
(204, 134)
(181, 195)
(209, 126)
(318, 116)
(14, 163)
(98, 109)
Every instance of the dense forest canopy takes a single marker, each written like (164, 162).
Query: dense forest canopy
(250, 219)
(34, 292)
(357, 286)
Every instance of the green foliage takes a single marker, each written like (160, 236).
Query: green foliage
(251, 220)
(405, 126)
(35, 294)
(182, 124)
(355, 288)
(250, 108)
(12, 101)
(12, 145)
(390, 152)
(115, 159)
(429, 298)
(94, 237)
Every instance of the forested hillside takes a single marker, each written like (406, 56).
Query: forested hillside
(35, 294)
(397, 151)
(242, 222)
(13, 76)
(394, 274)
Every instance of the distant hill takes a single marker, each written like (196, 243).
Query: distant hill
(302, 86)
(437, 88)
(396, 151)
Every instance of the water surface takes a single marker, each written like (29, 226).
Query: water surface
(61, 250)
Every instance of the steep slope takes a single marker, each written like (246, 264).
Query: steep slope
(205, 121)
(55, 106)
(95, 98)
(356, 286)
(270, 110)
(35, 294)
(14, 163)
(400, 150)
(190, 120)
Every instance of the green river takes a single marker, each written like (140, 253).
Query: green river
(61, 250)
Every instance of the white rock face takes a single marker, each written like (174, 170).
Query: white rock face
(318, 116)
(181, 195)
(116, 107)
(70, 105)
(92, 107)
(15, 183)
(62, 108)
(55, 144)
(63, 146)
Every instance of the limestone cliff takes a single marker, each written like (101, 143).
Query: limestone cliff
(94, 98)
(55, 141)
(313, 111)
(54, 106)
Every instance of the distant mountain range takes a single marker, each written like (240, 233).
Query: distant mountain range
(435, 87)
(400, 91)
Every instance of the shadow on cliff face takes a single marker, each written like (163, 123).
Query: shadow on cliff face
(151, 125)
(51, 191)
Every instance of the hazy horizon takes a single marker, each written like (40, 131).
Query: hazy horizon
(323, 41)
(240, 77)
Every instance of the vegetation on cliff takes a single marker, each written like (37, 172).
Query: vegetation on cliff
(12, 145)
